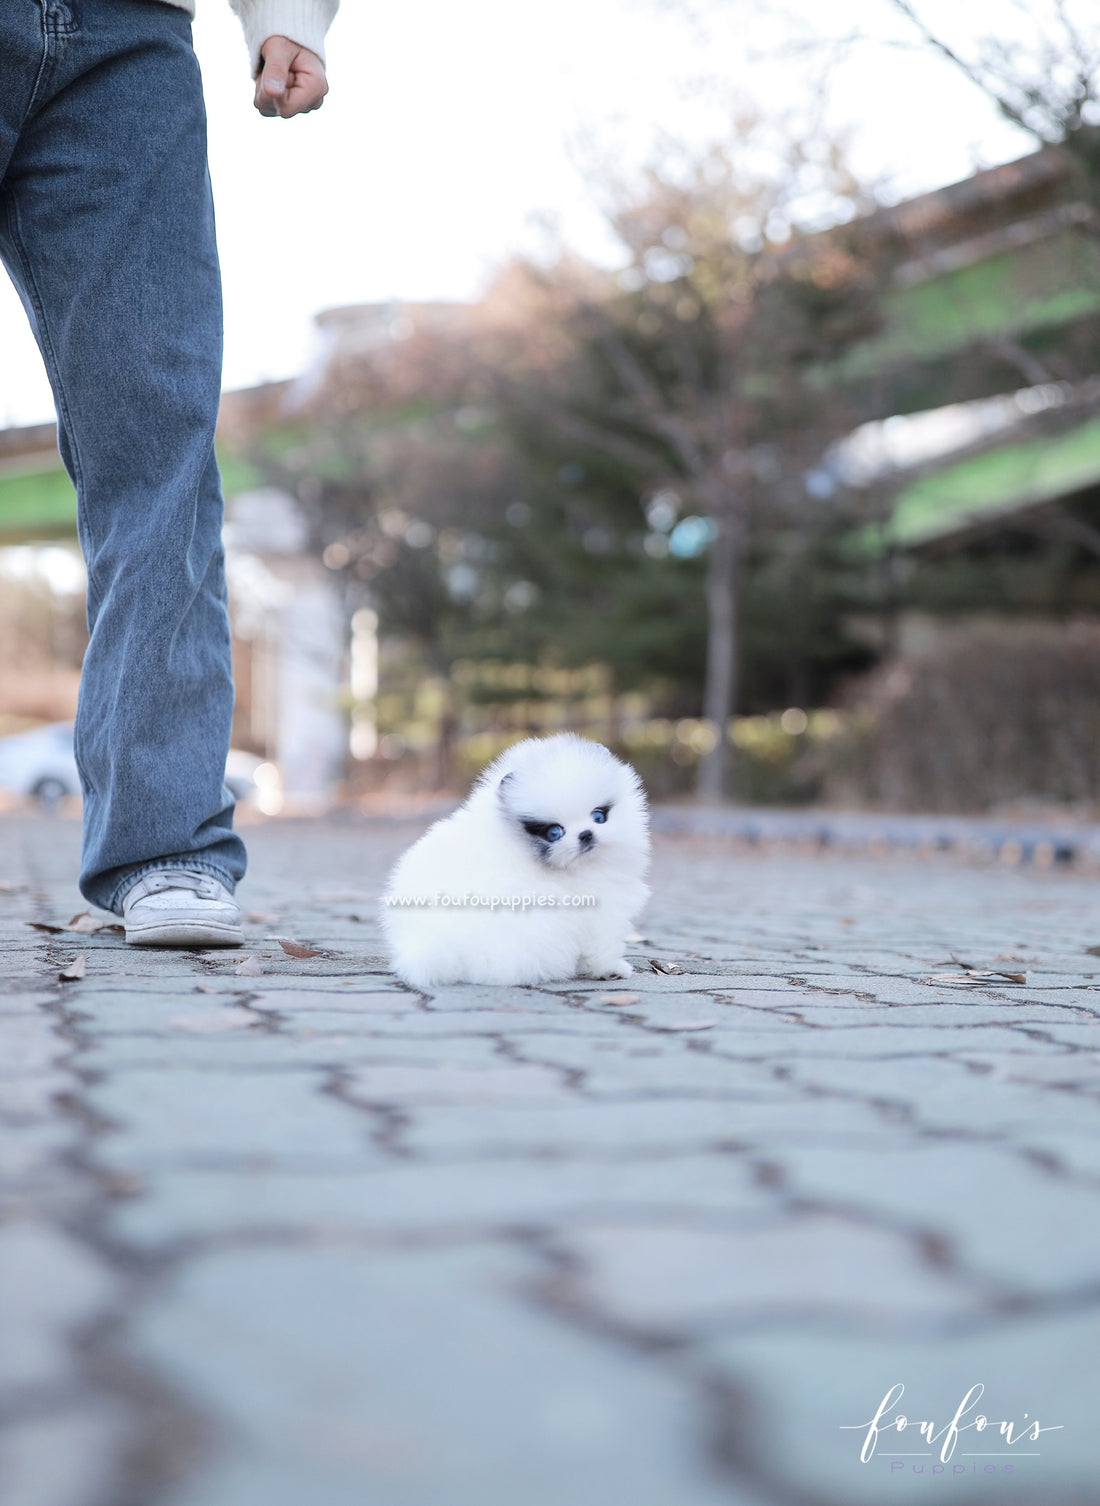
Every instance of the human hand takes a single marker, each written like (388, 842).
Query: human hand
(291, 80)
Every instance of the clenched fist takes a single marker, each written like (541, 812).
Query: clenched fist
(291, 80)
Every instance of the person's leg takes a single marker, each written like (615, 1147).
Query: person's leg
(106, 227)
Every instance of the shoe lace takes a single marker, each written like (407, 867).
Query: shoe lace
(171, 878)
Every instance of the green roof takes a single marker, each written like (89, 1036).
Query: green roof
(237, 474)
(39, 501)
(1049, 284)
(996, 484)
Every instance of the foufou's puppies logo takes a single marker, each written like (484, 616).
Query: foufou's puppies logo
(999, 1440)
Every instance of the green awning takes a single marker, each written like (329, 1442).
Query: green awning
(38, 501)
(997, 484)
(1049, 284)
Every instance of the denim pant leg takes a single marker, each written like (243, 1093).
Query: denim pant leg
(107, 229)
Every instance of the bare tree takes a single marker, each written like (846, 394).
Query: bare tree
(701, 366)
(1046, 78)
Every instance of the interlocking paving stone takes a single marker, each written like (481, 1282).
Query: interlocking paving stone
(177, 1115)
(48, 1281)
(684, 1122)
(412, 1198)
(1004, 1215)
(318, 1353)
(702, 1279)
(311, 1236)
(66, 1456)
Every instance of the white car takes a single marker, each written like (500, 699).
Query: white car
(40, 763)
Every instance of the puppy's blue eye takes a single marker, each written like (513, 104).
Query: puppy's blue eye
(546, 831)
(599, 816)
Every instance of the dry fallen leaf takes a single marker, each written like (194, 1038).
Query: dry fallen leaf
(214, 1021)
(83, 924)
(260, 917)
(617, 998)
(75, 970)
(249, 968)
(689, 1025)
(1093, 951)
(976, 975)
(664, 967)
(120, 1183)
(86, 925)
(297, 948)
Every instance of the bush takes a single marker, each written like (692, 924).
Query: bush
(991, 716)
(776, 761)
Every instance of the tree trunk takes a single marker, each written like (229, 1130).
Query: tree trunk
(443, 759)
(720, 693)
(446, 729)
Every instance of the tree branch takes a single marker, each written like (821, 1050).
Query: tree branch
(975, 76)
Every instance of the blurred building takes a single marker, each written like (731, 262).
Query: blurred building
(290, 646)
(346, 339)
(985, 380)
(290, 641)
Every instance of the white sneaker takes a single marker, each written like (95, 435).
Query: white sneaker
(175, 907)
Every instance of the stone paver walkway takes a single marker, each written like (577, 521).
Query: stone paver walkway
(288, 1234)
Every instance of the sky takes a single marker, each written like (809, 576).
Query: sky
(453, 134)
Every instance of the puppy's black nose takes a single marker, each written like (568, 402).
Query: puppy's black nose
(585, 838)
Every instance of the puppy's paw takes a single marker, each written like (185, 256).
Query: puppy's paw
(606, 968)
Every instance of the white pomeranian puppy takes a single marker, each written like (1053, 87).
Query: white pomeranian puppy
(539, 876)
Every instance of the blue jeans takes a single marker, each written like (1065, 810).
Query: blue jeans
(107, 230)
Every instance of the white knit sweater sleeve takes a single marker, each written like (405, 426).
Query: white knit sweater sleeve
(302, 21)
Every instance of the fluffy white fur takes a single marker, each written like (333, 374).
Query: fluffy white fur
(503, 845)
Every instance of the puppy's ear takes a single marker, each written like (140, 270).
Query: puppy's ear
(501, 786)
